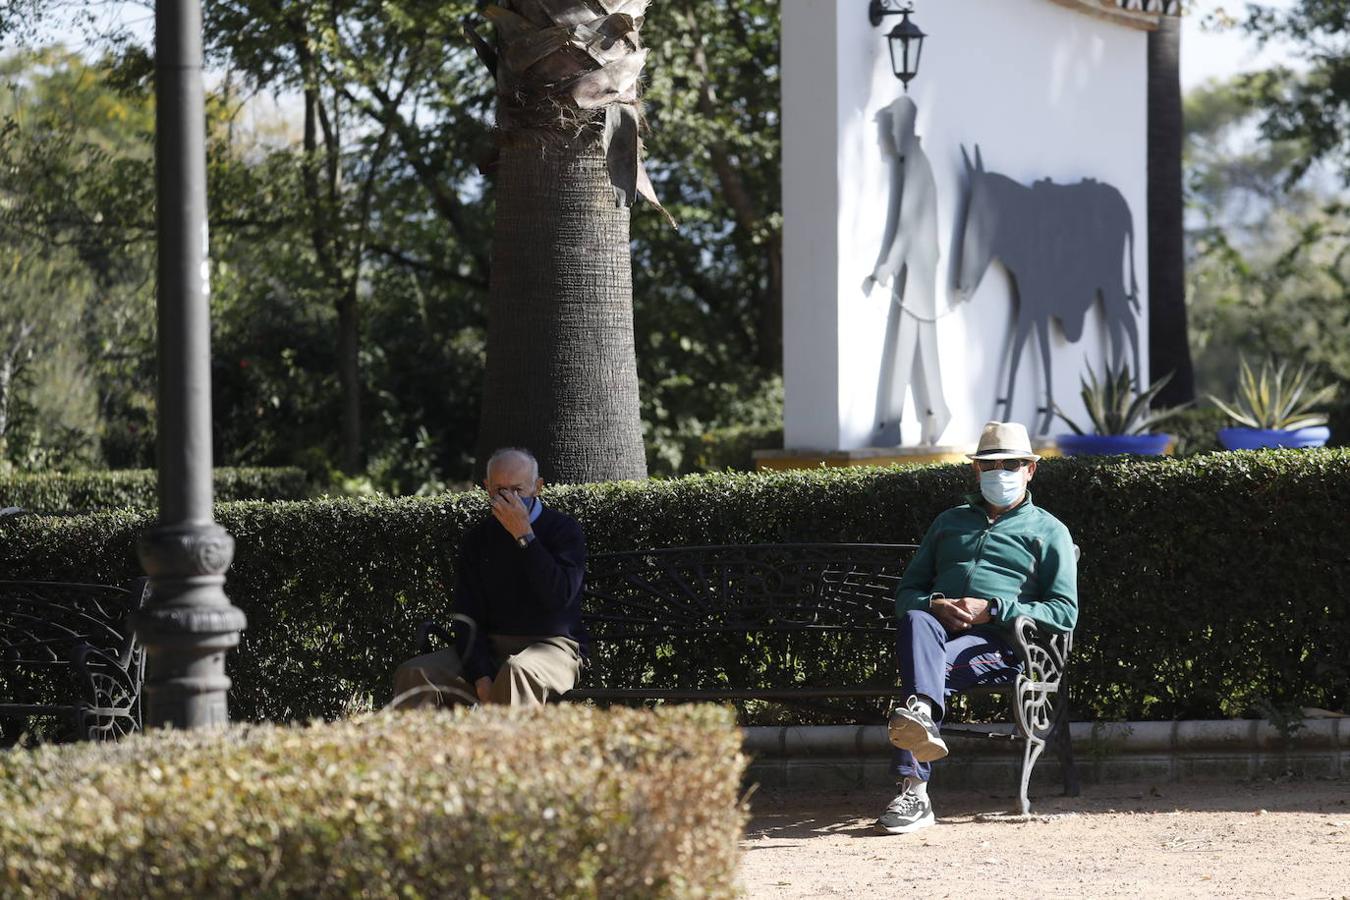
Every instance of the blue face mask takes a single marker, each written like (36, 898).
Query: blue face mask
(529, 502)
(1001, 487)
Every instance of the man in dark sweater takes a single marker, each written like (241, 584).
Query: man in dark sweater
(519, 578)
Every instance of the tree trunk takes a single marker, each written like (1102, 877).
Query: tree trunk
(1168, 346)
(771, 311)
(6, 378)
(11, 363)
(561, 374)
(561, 368)
(349, 379)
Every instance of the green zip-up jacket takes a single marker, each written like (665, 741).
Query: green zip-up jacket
(1024, 560)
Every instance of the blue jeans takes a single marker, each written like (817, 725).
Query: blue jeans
(937, 665)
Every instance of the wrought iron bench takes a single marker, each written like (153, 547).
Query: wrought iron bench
(66, 652)
(810, 626)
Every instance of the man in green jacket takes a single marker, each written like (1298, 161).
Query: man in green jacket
(980, 566)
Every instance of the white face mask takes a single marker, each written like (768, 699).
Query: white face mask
(1001, 487)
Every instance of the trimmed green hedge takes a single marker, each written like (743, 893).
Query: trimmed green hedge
(1209, 584)
(567, 802)
(77, 492)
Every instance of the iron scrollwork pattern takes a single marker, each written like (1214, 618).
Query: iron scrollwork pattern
(1040, 698)
(66, 651)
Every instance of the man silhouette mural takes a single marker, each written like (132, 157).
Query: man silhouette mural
(910, 263)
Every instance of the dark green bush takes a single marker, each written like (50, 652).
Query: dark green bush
(729, 448)
(567, 802)
(77, 492)
(1197, 430)
(1207, 583)
(1338, 419)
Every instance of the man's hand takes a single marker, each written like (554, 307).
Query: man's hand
(959, 615)
(483, 688)
(508, 509)
(977, 608)
(950, 613)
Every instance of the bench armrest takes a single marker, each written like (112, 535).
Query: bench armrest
(1028, 638)
(446, 636)
(1040, 697)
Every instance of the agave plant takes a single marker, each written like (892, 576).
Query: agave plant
(1115, 407)
(1277, 398)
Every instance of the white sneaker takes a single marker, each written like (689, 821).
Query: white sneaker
(909, 811)
(911, 728)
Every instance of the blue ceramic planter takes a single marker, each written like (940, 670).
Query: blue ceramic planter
(1112, 444)
(1261, 438)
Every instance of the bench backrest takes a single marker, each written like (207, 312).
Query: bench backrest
(745, 588)
(759, 615)
(45, 626)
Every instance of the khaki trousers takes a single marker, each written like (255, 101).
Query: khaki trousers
(530, 670)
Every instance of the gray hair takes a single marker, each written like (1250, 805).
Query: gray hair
(505, 453)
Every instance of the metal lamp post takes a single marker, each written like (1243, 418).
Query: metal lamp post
(188, 624)
(905, 39)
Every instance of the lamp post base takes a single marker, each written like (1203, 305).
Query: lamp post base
(188, 625)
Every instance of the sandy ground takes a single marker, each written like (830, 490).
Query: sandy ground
(1288, 839)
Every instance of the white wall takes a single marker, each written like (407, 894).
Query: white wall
(1044, 90)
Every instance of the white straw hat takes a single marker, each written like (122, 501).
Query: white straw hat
(1003, 440)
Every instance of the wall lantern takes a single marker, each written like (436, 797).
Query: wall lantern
(905, 39)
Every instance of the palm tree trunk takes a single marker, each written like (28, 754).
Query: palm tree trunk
(561, 367)
(1168, 346)
(561, 375)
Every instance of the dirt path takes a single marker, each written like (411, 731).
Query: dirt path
(1195, 840)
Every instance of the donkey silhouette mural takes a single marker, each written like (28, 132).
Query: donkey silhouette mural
(1065, 247)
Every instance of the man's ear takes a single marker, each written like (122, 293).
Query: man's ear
(538, 486)
(486, 488)
(1031, 470)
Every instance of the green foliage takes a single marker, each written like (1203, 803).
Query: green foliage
(80, 492)
(1277, 397)
(1269, 264)
(728, 448)
(1206, 582)
(1115, 407)
(76, 169)
(1196, 430)
(383, 209)
(48, 405)
(562, 802)
(1312, 107)
(707, 298)
(684, 444)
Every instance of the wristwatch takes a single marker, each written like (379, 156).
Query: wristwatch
(993, 609)
(525, 540)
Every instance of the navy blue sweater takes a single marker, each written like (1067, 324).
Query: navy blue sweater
(507, 589)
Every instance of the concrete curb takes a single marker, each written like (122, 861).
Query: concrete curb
(856, 756)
